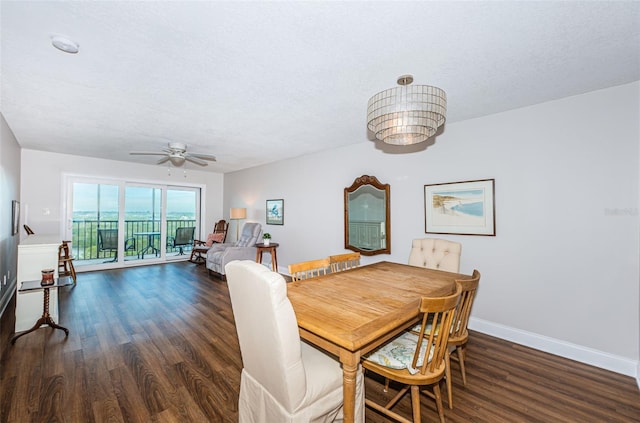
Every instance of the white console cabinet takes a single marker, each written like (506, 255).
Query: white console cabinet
(36, 252)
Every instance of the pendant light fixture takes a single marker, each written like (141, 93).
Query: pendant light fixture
(408, 114)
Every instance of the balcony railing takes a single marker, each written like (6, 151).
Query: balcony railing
(85, 236)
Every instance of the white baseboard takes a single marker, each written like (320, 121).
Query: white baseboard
(565, 349)
(8, 291)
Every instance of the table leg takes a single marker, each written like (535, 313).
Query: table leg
(150, 247)
(350, 361)
(274, 260)
(44, 320)
(153, 246)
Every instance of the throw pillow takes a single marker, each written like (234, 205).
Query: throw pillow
(211, 238)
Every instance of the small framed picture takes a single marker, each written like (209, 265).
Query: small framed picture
(464, 208)
(275, 212)
(15, 217)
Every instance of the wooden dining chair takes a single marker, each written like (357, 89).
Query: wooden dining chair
(459, 332)
(309, 269)
(416, 360)
(342, 262)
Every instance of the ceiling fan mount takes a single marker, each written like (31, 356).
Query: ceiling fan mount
(176, 153)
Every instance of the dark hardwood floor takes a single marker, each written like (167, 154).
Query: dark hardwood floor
(158, 344)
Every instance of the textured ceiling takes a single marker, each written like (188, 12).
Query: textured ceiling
(257, 82)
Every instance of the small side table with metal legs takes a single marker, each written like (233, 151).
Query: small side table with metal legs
(46, 317)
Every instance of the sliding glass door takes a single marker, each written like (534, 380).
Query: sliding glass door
(93, 224)
(143, 222)
(183, 213)
(112, 224)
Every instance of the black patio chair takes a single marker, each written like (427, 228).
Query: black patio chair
(184, 237)
(108, 241)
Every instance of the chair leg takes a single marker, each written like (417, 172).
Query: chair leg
(438, 396)
(447, 375)
(114, 259)
(415, 403)
(461, 350)
(73, 272)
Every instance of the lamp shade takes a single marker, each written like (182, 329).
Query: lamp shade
(407, 114)
(238, 213)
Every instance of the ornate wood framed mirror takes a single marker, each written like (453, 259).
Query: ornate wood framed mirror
(367, 226)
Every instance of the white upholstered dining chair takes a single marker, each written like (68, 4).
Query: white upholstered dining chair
(434, 253)
(283, 379)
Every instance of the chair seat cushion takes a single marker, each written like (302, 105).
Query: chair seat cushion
(398, 353)
(427, 328)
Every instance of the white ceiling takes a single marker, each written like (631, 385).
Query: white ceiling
(257, 82)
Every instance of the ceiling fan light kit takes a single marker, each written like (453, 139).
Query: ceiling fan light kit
(408, 114)
(177, 155)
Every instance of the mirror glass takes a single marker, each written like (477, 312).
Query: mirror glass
(367, 226)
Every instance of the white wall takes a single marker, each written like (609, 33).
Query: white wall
(9, 191)
(562, 273)
(43, 191)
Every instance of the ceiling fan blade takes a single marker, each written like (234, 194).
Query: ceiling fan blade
(196, 160)
(147, 153)
(166, 159)
(203, 156)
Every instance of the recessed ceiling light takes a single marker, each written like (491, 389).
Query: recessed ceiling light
(65, 44)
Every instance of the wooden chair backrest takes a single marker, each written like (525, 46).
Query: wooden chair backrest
(437, 312)
(469, 287)
(221, 227)
(342, 262)
(309, 269)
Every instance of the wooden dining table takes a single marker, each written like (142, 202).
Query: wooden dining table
(350, 313)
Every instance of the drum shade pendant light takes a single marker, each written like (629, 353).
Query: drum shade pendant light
(408, 114)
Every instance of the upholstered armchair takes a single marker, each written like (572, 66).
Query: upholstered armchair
(243, 249)
(434, 253)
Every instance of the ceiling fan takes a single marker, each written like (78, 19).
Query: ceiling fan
(176, 153)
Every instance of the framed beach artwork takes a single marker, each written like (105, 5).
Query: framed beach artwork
(463, 208)
(275, 212)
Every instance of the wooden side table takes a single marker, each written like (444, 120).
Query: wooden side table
(46, 317)
(271, 249)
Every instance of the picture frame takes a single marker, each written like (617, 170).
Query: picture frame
(460, 208)
(275, 212)
(15, 217)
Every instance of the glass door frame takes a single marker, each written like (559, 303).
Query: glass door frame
(198, 215)
(66, 224)
(163, 221)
